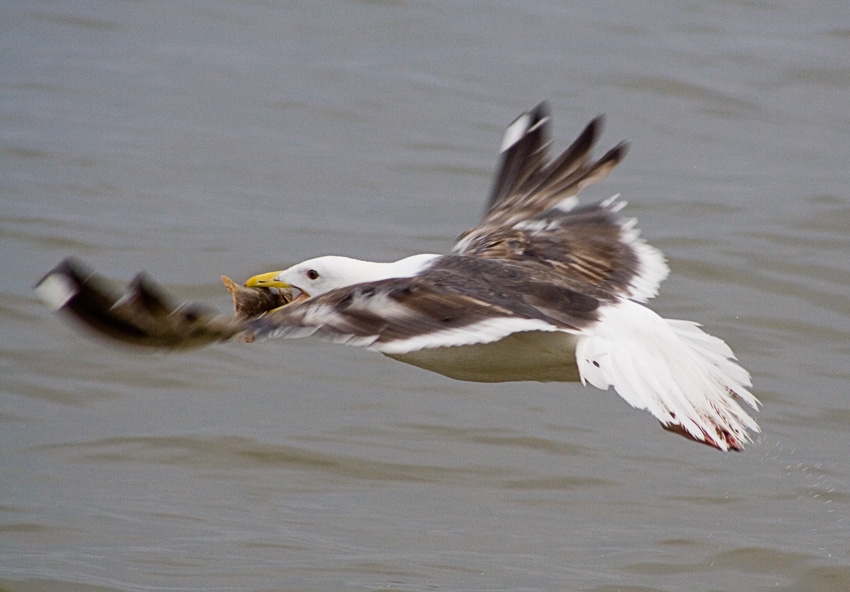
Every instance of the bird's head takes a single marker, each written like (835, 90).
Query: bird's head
(313, 277)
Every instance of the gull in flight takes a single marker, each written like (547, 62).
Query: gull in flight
(543, 289)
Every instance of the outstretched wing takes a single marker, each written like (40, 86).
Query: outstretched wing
(464, 301)
(527, 183)
(534, 218)
(143, 314)
(453, 306)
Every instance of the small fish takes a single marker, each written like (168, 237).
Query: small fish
(253, 302)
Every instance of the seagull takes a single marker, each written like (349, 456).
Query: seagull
(542, 289)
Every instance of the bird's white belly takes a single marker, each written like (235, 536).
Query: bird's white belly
(530, 355)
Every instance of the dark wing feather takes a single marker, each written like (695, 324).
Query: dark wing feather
(451, 300)
(533, 215)
(527, 183)
(521, 160)
(591, 244)
(143, 314)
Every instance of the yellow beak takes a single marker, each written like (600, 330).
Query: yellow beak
(267, 280)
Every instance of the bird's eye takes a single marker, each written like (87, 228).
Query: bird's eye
(312, 274)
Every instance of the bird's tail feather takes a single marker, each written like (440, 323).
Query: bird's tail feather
(688, 379)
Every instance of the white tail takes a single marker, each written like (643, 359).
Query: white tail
(686, 378)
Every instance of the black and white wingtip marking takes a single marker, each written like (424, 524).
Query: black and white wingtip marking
(55, 290)
(523, 125)
(61, 284)
(515, 131)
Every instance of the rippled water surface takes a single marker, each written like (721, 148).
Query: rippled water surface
(199, 139)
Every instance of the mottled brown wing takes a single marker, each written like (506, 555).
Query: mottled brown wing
(534, 217)
(461, 301)
(591, 244)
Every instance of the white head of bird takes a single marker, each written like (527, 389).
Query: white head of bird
(318, 276)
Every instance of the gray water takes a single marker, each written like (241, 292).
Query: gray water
(196, 139)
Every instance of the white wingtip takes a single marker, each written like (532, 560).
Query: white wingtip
(515, 131)
(56, 290)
